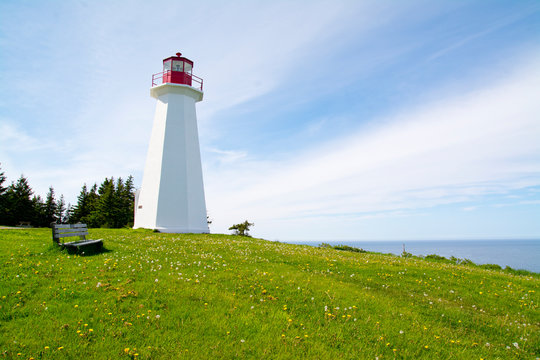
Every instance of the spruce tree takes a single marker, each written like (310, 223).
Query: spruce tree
(2, 180)
(39, 212)
(119, 216)
(128, 202)
(60, 210)
(50, 208)
(107, 205)
(92, 218)
(81, 209)
(68, 219)
(242, 228)
(125, 197)
(2, 198)
(19, 202)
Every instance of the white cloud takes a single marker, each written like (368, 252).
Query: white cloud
(225, 157)
(458, 149)
(13, 136)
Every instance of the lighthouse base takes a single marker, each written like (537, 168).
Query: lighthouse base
(178, 230)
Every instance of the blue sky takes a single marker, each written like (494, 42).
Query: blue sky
(322, 120)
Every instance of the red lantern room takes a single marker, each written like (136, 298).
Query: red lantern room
(177, 70)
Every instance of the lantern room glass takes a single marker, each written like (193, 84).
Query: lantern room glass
(178, 65)
(167, 66)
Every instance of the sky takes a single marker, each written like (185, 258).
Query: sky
(321, 120)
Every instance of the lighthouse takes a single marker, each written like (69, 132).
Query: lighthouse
(171, 197)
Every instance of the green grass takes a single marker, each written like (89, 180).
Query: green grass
(170, 296)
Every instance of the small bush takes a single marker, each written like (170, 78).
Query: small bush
(459, 261)
(435, 257)
(491, 266)
(242, 228)
(349, 248)
(342, 248)
(510, 270)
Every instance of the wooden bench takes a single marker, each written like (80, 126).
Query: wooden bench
(61, 231)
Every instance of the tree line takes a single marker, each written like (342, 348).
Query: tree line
(108, 205)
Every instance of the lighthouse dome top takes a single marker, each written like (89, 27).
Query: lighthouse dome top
(177, 70)
(178, 63)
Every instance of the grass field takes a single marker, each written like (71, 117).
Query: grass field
(169, 296)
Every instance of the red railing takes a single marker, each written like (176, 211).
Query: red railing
(196, 82)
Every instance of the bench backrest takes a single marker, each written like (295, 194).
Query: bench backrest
(67, 230)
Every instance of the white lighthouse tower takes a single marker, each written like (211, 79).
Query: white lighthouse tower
(171, 198)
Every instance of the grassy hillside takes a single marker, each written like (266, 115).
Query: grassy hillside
(168, 296)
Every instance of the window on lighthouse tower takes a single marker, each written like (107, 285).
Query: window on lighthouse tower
(167, 66)
(178, 66)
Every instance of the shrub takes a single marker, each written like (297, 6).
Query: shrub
(349, 248)
(342, 248)
(435, 257)
(491, 266)
(242, 228)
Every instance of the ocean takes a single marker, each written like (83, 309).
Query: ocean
(518, 254)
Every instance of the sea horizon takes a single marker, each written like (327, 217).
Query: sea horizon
(519, 253)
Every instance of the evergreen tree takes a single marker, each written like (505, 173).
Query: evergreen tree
(81, 209)
(39, 211)
(107, 209)
(2, 198)
(129, 202)
(119, 216)
(50, 208)
(125, 198)
(92, 218)
(242, 228)
(19, 203)
(59, 214)
(68, 219)
(2, 180)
